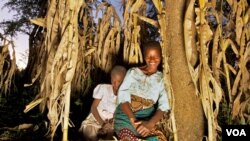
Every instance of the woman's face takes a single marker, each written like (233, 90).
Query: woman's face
(152, 57)
(116, 81)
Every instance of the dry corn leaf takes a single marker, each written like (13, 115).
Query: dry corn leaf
(230, 2)
(32, 104)
(158, 5)
(239, 23)
(246, 17)
(132, 51)
(231, 69)
(202, 3)
(39, 21)
(215, 54)
(90, 51)
(148, 20)
(136, 6)
(190, 35)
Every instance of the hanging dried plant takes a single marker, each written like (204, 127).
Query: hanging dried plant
(7, 65)
(131, 49)
(107, 39)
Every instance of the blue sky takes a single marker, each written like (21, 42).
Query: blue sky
(22, 40)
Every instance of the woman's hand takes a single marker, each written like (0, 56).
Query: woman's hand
(144, 128)
(134, 122)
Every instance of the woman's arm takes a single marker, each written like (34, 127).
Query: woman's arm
(127, 110)
(146, 126)
(151, 123)
(156, 118)
(95, 112)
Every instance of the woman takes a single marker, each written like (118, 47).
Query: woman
(142, 99)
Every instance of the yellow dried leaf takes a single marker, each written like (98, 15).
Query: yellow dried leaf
(158, 5)
(90, 51)
(231, 68)
(136, 6)
(236, 83)
(190, 35)
(32, 104)
(202, 3)
(236, 105)
(148, 20)
(215, 54)
(39, 21)
(230, 2)
(246, 17)
(239, 24)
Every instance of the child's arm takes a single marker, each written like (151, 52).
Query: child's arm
(94, 111)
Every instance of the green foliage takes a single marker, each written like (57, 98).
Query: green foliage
(225, 116)
(78, 102)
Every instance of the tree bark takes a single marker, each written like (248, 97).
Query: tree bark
(188, 109)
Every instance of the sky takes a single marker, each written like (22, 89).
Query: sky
(21, 41)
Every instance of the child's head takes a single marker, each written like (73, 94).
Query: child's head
(152, 54)
(117, 75)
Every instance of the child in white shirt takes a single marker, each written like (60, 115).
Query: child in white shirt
(100, 118)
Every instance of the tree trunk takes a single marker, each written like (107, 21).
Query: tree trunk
(188, 109)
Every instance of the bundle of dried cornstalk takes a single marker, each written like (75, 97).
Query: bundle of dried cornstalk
(217, 56)
(7, 64)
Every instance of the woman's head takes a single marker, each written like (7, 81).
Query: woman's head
(152, 54)
(117, 75)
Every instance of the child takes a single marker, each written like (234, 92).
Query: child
(102, 109)
(142, 99)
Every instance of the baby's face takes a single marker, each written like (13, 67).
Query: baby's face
(116, 81)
